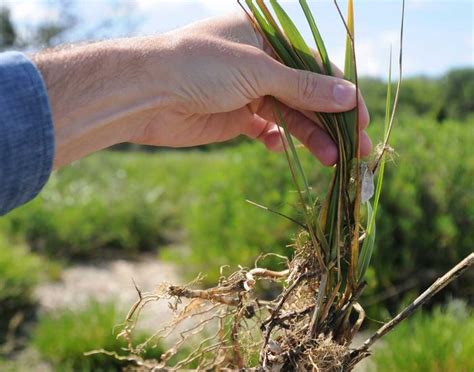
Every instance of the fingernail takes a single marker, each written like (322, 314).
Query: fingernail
(344, 94)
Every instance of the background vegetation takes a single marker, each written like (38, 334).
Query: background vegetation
(125, 203)
(188, 207)
(62, 338)
(448, 332)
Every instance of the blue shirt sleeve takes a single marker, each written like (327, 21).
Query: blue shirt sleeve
(26, 131)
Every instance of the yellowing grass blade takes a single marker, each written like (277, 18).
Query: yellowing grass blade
(299, 168)
(349, 67)
(349, 123)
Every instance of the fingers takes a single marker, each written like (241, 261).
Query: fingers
(266, 132)
(306, 90)
(316, 140)
(311, 135)
(364, 117)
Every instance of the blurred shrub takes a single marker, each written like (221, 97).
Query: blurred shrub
(107, 203)
(419, 96)
(427, 208)
(438, 342)
(20, 272)
(426, 218)
(374, 90)
(448, 97)
(224, 229)
(459, 93)
(62, 338)
(130, 202)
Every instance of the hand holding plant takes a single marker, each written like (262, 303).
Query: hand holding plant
(217, 81)
(208, 82)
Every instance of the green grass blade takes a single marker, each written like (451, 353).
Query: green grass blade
(272, 37)
(349, 118)
(368, 245)
(295, 156)
(388, 100)
(281, 37)
(277, 213)
(399, 83)
(317, 37)
(369, 241)
(295, 38)
(308, 206)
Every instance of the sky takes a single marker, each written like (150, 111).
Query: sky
(439, 34)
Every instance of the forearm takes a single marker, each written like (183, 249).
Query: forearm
(96, 94)
(202, 84)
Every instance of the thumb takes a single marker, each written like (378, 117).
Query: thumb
(306, 90)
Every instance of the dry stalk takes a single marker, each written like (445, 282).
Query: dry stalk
(438, 285)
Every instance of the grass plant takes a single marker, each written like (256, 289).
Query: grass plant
(310, 324)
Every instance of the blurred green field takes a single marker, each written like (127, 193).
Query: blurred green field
(125, 203)
(116, 203)
(438, 342)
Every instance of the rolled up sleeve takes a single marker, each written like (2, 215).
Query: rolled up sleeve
(26, 131)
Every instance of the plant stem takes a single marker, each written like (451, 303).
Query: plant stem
(439, 284)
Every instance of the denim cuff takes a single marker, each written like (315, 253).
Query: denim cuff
(26, 131)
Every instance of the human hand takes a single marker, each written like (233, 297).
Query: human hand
(207, 82)
(216, 82)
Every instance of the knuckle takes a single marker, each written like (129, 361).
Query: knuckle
(257, 58)
(257, 70)
(308, 86)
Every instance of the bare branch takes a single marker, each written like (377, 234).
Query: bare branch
(439, 284)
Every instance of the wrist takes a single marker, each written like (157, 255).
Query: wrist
(97, 93)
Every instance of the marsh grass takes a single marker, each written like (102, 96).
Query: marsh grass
(310, 324)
